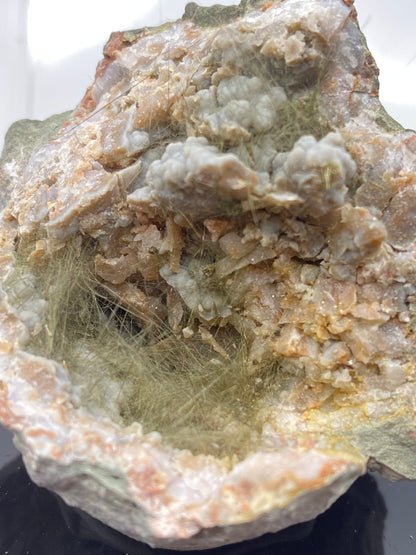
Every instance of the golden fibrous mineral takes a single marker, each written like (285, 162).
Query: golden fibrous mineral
(208, 299)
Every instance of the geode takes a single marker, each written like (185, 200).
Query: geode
(208, 298)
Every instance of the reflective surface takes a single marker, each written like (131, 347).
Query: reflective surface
(363, 522)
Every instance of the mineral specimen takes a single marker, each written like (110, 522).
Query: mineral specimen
(209, 281)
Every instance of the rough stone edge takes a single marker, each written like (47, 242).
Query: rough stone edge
(303, 507)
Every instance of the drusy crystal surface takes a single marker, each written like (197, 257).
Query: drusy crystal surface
(207, 312)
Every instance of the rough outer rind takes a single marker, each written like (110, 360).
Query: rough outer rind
(340, 199)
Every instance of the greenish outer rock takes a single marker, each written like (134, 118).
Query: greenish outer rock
(389, 443)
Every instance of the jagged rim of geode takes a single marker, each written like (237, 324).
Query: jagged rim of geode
(50, 429)
(140, 468)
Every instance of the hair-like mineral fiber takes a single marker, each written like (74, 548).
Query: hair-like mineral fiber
(195, 398)
(135, 367)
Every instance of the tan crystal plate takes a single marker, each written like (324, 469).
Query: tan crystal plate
(208, 278)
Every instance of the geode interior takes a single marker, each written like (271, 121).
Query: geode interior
(213, 264)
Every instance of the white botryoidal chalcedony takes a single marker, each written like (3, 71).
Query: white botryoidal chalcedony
(207, 310)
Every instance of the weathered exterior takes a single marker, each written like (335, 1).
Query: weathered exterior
(263, 140)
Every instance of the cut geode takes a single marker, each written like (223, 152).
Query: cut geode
(209, 278)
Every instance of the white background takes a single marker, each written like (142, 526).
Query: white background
(49, 50)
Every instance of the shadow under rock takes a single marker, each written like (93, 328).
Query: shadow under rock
(37, 522)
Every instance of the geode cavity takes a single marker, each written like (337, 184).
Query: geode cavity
(209, 281)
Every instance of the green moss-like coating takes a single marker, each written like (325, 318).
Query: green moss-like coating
(25, 137)
(211, 16)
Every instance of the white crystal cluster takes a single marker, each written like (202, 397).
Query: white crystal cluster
(235, 190)
(319, 172)
(236, 108)
(194, 178)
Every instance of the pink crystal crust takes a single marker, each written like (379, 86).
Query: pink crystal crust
(261, 143)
